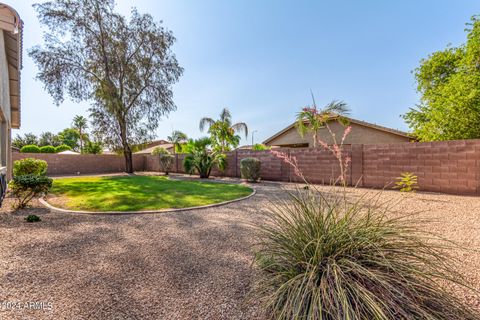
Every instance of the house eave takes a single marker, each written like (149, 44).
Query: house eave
(12, 28)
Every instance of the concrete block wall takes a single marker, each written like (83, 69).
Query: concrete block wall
(443, 166)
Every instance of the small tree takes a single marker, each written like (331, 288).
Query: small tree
(27, 139)
(125, 67)
(80, 123)
(165, 159)
(70, 137)
(92, 147)
(222, 132)
(177, 138)
(49, 139)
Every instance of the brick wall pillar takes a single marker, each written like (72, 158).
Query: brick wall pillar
(176, 162)
(356, 165)
(236, 163)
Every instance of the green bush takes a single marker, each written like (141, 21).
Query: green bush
(260, 147)
(30, 148)
(327, 257)
(47, 149)
(200, 160)
(26, 187)
(250, 169)
(159, 150)
(62, 147)
(93, 148)
(32, 218)
(166, 162)
(29, 166)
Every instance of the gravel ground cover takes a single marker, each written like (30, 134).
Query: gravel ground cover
(180, 265)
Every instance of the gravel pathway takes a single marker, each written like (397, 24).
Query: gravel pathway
(181, 265)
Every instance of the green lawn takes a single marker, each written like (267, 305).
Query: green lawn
(132, 193)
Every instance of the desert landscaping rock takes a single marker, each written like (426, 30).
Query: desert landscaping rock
(181, 265)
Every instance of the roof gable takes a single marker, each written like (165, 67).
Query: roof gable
(358, 122)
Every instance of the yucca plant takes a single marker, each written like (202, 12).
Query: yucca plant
(328, 258)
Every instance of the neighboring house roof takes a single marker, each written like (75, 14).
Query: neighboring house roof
(155, 143)
(12, 25)
(68, 152)
(359, 122)
(244, 147)
(167, 146)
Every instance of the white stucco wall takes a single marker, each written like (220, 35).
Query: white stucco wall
(5, 155)
(4, 83)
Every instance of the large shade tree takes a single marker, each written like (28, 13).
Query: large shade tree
(223, 133)
(448, 82)
(124, 67)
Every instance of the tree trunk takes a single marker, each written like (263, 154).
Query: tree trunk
(81, 141)
(127, 153)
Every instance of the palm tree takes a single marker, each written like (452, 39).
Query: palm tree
(222, 131)
(80, 123)
(313, 119)
(177, 138)
(200, 160)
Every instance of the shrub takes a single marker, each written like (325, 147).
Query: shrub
(159, 150)
(93, 148)
(26, 187)
(166, 162)
(260, 147)
(199, 159)
(326, 257)
(250, 169)
(29, 166)
(62, 147)
(47, 149)
(32, 218)
(407, 182)
(30, 148)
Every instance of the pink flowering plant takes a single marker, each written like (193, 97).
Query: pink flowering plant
(327, 255)
(312, 119)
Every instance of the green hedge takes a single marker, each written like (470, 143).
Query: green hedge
(30, 148)
(61, 148)
(47, 149)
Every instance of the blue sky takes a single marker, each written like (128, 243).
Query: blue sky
(261, 58)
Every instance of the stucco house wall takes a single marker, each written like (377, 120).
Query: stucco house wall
(5, 115)
(10, 65)
(360, 134)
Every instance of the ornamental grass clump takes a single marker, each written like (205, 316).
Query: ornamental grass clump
(323, 257)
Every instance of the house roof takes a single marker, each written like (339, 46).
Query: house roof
(149, 150)
(12, 27)
(69, 152)
(359, 122)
